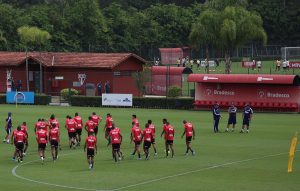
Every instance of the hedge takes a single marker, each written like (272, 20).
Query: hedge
(141, 102)
(2, 99)
(38, 99)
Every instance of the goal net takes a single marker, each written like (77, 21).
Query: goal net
(290, 53)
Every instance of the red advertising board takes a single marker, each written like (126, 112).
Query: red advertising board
(295, 64)
(248, 64)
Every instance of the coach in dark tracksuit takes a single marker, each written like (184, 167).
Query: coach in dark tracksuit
(217, 116)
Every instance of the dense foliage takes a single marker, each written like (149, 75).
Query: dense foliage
(129, 25)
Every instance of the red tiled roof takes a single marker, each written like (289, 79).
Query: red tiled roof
(68, 59)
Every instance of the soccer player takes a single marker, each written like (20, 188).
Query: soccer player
(164, 121)
(91, 145)
(20, 139)
(90, 125)
(135, 120)
(79, 126)
(71, 127)
(52, 121)
(170, 132)
(37, 125)
(13, 138)
(152, 127)
(108, 125)
(216, 116)
(247, 117)
(232, 117)
(116, 140)
(54, 140)
(97, 119)
(8, 127)
(43, 124)
(147, 136)
(24, 130)
(42, 139)
(136, 137)
(189, 135)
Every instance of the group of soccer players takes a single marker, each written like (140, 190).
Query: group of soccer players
(48, 131)
(232, 110)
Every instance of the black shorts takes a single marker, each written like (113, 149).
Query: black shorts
(169, 142)
(72, 135)
(116, 146)
(19, 146)
(246, 122)
(96, 130)
(90, 152)
(54, 143)
(42, 146)
(232, 120)
(8, 130)
(153, 141)
(137, 143)
(107, 131)
(147, 145)
(78, 131)
(188, 139)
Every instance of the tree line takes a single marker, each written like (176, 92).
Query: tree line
(137, 26)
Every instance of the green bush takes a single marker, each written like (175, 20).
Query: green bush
(174, 91)
(67, 93)
(140, 102)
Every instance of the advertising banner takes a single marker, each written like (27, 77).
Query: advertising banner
(117, 100)
(295, 64)
(20, 97)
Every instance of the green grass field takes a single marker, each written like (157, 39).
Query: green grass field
(223, 161)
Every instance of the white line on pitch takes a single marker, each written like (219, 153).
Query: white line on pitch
(198, 170)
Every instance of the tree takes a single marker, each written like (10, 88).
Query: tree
(141, 78)
(33, 36)
(227, 28)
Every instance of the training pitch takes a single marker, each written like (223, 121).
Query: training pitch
(223, 161)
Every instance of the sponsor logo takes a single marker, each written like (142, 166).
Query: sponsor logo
(126, 100)
(224, 92)
(259, 79)
(295, 64)
(209, 78)
(20, 97)
(264, 94)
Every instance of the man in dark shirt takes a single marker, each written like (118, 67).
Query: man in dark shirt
(232, 117)
(217, 116)
(247, 116)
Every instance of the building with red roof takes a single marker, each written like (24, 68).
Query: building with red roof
(49, 72)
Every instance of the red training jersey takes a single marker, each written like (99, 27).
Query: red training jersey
(71, 125)
(152, 127)
(43, 125)
(188, 127)
(78, 120)
(54, 121)
(37, 125)
(90, 126)
(54, 134)
(165, 128)
(136, 133)
(20, 137)
(108, 122)
(136, 121)
(24, 129)
(148, 135)
(41, 136)
(170, 133)
(14, 133)
(91, 142)
(115, 135)
(96, 119)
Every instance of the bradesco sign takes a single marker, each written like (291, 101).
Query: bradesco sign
(117, 99)
(295, 64)
(20, 97)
